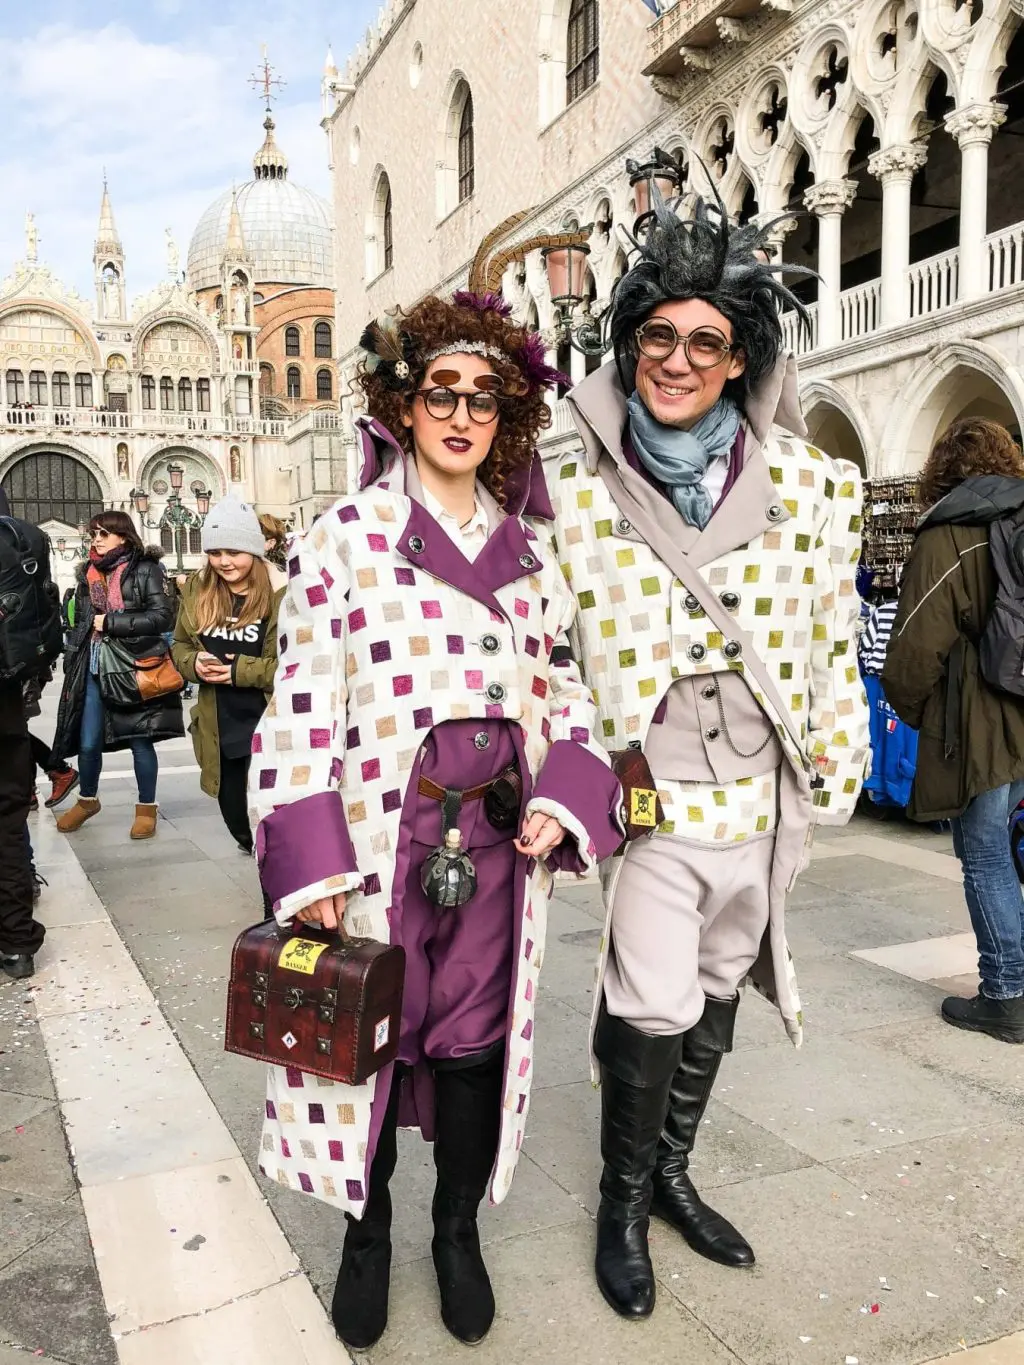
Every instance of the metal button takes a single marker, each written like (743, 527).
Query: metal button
(730, 600)
(527, 561)
(712, 733)
(776, 512)
(416, 544)
(496, 692)
(710, 692)
(691, 603)
(490, 644)
(733, 649)
(482, 739)
(697, 652)
(623, 526)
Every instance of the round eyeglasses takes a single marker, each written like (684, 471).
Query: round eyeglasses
(704, 349)
(443, 403)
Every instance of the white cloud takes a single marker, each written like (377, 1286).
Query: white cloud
(173, 122)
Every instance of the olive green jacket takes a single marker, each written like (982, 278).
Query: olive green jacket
(247, 671)
(971, 735)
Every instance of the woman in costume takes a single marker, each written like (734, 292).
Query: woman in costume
(426, 695)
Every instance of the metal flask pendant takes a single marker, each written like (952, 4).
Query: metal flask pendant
(448, 876)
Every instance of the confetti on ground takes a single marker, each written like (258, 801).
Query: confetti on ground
(806, 1340)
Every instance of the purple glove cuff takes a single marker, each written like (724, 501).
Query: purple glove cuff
(303, 843)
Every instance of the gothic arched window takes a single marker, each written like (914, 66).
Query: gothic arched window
(294, 380)
(47, 487)
(583, 49)
(291, 341)
(389, 227)
(322, 340)
(324, 385)
(467, 158)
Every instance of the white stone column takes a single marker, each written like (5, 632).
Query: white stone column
(895, 168)
(828, 200)
(973, 127)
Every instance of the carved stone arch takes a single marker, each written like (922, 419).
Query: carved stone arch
(748, 112)
(59, 446)
(805, 110)
(167, 450)
(27, 304)
(700, 159)
(380, 183)
(910, 93)
(778, 172)
(871, 73)
(932, 390)
(821, 398)
(154, 320)
(986, 59)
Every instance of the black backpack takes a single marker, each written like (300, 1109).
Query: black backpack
(30, 626)
(1001, 647)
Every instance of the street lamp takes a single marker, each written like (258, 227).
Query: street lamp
(70, 550)
(176, 516)
(665, 171)
(566, 266)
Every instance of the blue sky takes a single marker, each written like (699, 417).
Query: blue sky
(157, 92)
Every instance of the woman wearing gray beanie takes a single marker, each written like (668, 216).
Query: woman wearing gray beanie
(225, 639)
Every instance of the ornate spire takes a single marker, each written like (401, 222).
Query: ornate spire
(107, 239)
(234, 246)
(270, 163)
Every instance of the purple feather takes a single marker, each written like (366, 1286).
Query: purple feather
(482, 303)
(531, 360)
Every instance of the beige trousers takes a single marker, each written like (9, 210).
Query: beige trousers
(687, 922)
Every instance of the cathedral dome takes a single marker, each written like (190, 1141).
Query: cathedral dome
(287, 229)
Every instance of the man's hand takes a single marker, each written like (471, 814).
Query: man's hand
(539, 835)
(328, 911)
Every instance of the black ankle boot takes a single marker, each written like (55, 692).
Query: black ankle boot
(359, 1309)
(468, 1124)
(675, 1199)
(636, 1071)
(1002, 1019)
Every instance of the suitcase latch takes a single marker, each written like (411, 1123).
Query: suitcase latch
(293, 997)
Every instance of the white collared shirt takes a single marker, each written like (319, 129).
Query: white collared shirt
(471, 536)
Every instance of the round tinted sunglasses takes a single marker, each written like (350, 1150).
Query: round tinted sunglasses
(442, 403)
(704, 349)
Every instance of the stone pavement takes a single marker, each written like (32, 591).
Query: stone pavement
(878, 1171)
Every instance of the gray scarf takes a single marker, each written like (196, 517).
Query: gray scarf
(680, 459)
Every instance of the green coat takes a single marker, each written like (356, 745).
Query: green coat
(973, 741)
(247, 672)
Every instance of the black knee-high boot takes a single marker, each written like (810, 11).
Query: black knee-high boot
(675, 1199)
(359, 1309)
(636, 1071)
(468, 1125)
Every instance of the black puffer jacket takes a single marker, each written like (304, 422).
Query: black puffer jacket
(147, 616)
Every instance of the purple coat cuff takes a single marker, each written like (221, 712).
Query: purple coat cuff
(303, 843)
(584, 785)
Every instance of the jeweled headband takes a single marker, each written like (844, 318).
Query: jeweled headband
(465, 348)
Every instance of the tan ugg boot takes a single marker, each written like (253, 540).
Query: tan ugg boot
(144, 826)
(83, 809)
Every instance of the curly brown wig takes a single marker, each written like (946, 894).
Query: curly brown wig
(434, 322)
(970, 446)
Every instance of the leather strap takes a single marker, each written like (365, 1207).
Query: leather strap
(436, 793)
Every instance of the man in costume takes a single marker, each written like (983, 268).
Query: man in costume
(712, 554)
(426, 762)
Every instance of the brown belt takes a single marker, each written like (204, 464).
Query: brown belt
(436, 793)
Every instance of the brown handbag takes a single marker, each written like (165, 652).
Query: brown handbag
(320, 1003)
(157, 676)
(641, 811)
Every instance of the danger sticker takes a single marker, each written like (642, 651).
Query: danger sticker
(300, 955)
(381, 1033)
(289, 1041)
(642, 807)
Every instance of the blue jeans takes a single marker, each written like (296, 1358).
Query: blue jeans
(993, 890)
(90, 750)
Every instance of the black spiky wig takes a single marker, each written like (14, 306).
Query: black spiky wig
(705, 258)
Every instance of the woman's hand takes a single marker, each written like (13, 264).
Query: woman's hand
(99, 621)
(328, 911)
(540, 834)
(210, 669)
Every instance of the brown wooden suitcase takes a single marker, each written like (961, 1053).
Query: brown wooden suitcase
(315, 1001)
